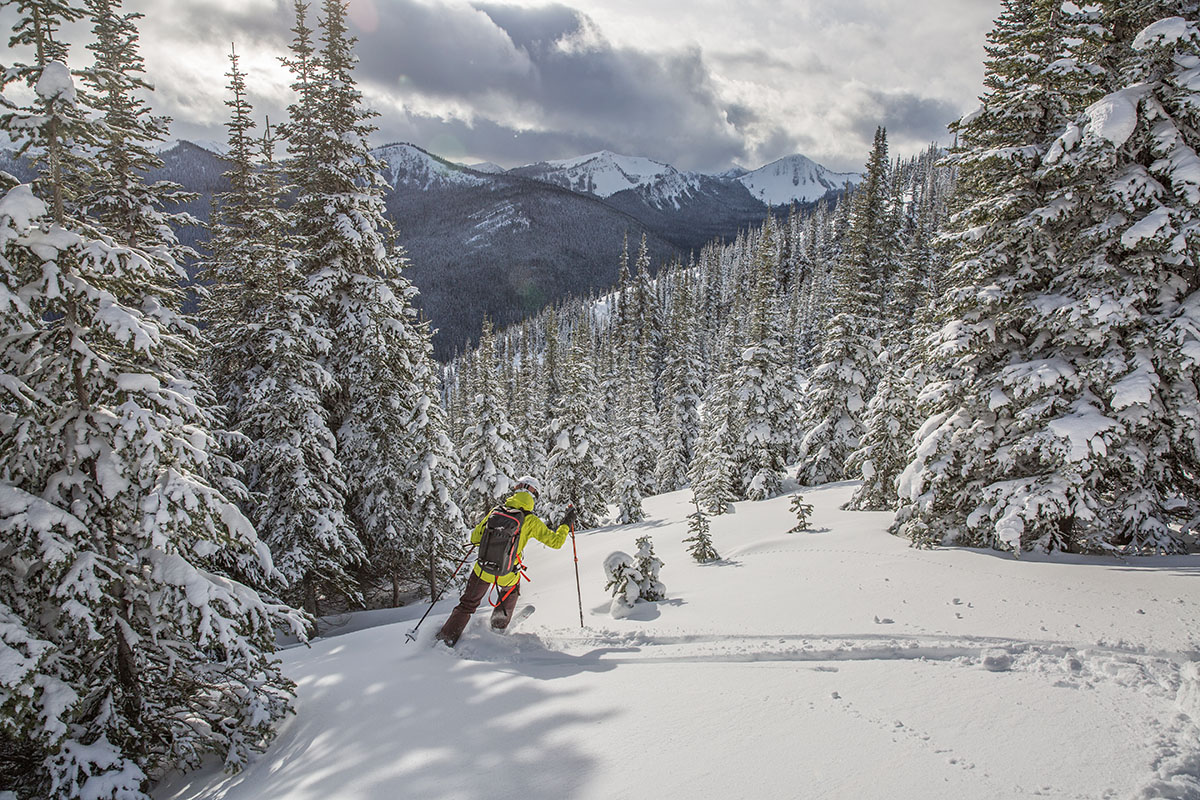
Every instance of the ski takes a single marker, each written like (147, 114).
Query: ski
(519, 616)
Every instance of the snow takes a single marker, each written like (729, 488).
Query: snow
(487, 167)
(1114, 116)
(416, 169)
(794, 178)
(56, 83)
(838, 662)
(1148, 227)
(21, 206)
(605, 173)
(1166, 32)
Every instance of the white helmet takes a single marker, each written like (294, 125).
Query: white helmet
(529, 483)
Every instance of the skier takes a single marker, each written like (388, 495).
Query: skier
(507, 584)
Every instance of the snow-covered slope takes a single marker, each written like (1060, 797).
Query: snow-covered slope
(605, 173)
(833, 663)
(794, 179)
(411, 166)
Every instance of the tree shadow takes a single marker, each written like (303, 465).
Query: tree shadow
(380, 720)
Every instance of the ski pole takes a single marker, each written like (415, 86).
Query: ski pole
(411, 636)
(578, 590)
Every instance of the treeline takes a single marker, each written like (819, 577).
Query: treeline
(171, 493)
(1001, 344)
(698, 376)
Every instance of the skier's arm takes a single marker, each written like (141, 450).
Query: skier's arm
(477, 534)
(550, 538)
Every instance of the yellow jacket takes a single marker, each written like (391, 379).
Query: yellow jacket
(532, 527)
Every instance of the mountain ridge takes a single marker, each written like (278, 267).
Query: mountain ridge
(506, 243)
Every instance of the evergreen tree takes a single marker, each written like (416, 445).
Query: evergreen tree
(680, 419)
(1109, 444)
(802, 510)
(628, 496)
(623, 579)
(143, 654)
(762, 387)
(650, 587)
(267, 350)
(888, 428)
(120, 201)
(434, 521)
(354, 270)
(701, 547)
(577, 470)
(1027, 444)
(532, 424)
(711, 472)
(637, 436)
(488, 442)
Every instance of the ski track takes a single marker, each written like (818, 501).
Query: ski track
(1156, 675)
(1067, 664)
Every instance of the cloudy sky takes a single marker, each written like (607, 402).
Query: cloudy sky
(700, 84)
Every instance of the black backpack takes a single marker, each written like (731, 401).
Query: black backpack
(500, 540)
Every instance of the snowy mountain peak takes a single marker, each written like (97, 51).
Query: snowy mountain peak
(212, 146)
(734, 172)
(408, 164)
(486, 167)
(605, 173)
(795, 178)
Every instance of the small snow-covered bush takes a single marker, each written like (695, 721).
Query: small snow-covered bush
(802, 510)
(624, 581)
(648, 565)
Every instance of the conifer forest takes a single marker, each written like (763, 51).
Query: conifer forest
(998, 340)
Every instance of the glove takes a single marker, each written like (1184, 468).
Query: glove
(570, 517)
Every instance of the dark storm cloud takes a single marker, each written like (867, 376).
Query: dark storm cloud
(535, 28)
(241, 25)
(905, 115)
(550, 66)
(459, 141)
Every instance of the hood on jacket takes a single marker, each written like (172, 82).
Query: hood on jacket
(522, 500)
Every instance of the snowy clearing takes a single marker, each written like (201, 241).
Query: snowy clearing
(838, 662)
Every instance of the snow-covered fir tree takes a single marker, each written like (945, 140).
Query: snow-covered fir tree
(127, 208)
(623, 580)
(266, 359)
(888, 426)
(531, 423)
(354, 269)
(650, 587)
(712, 471)
(434, 520)
(576, 470)
(487, 445)
(682, 390)
(762, 386)
(1047, 429)
(636, 443)
(701, 547)
(139, 655)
